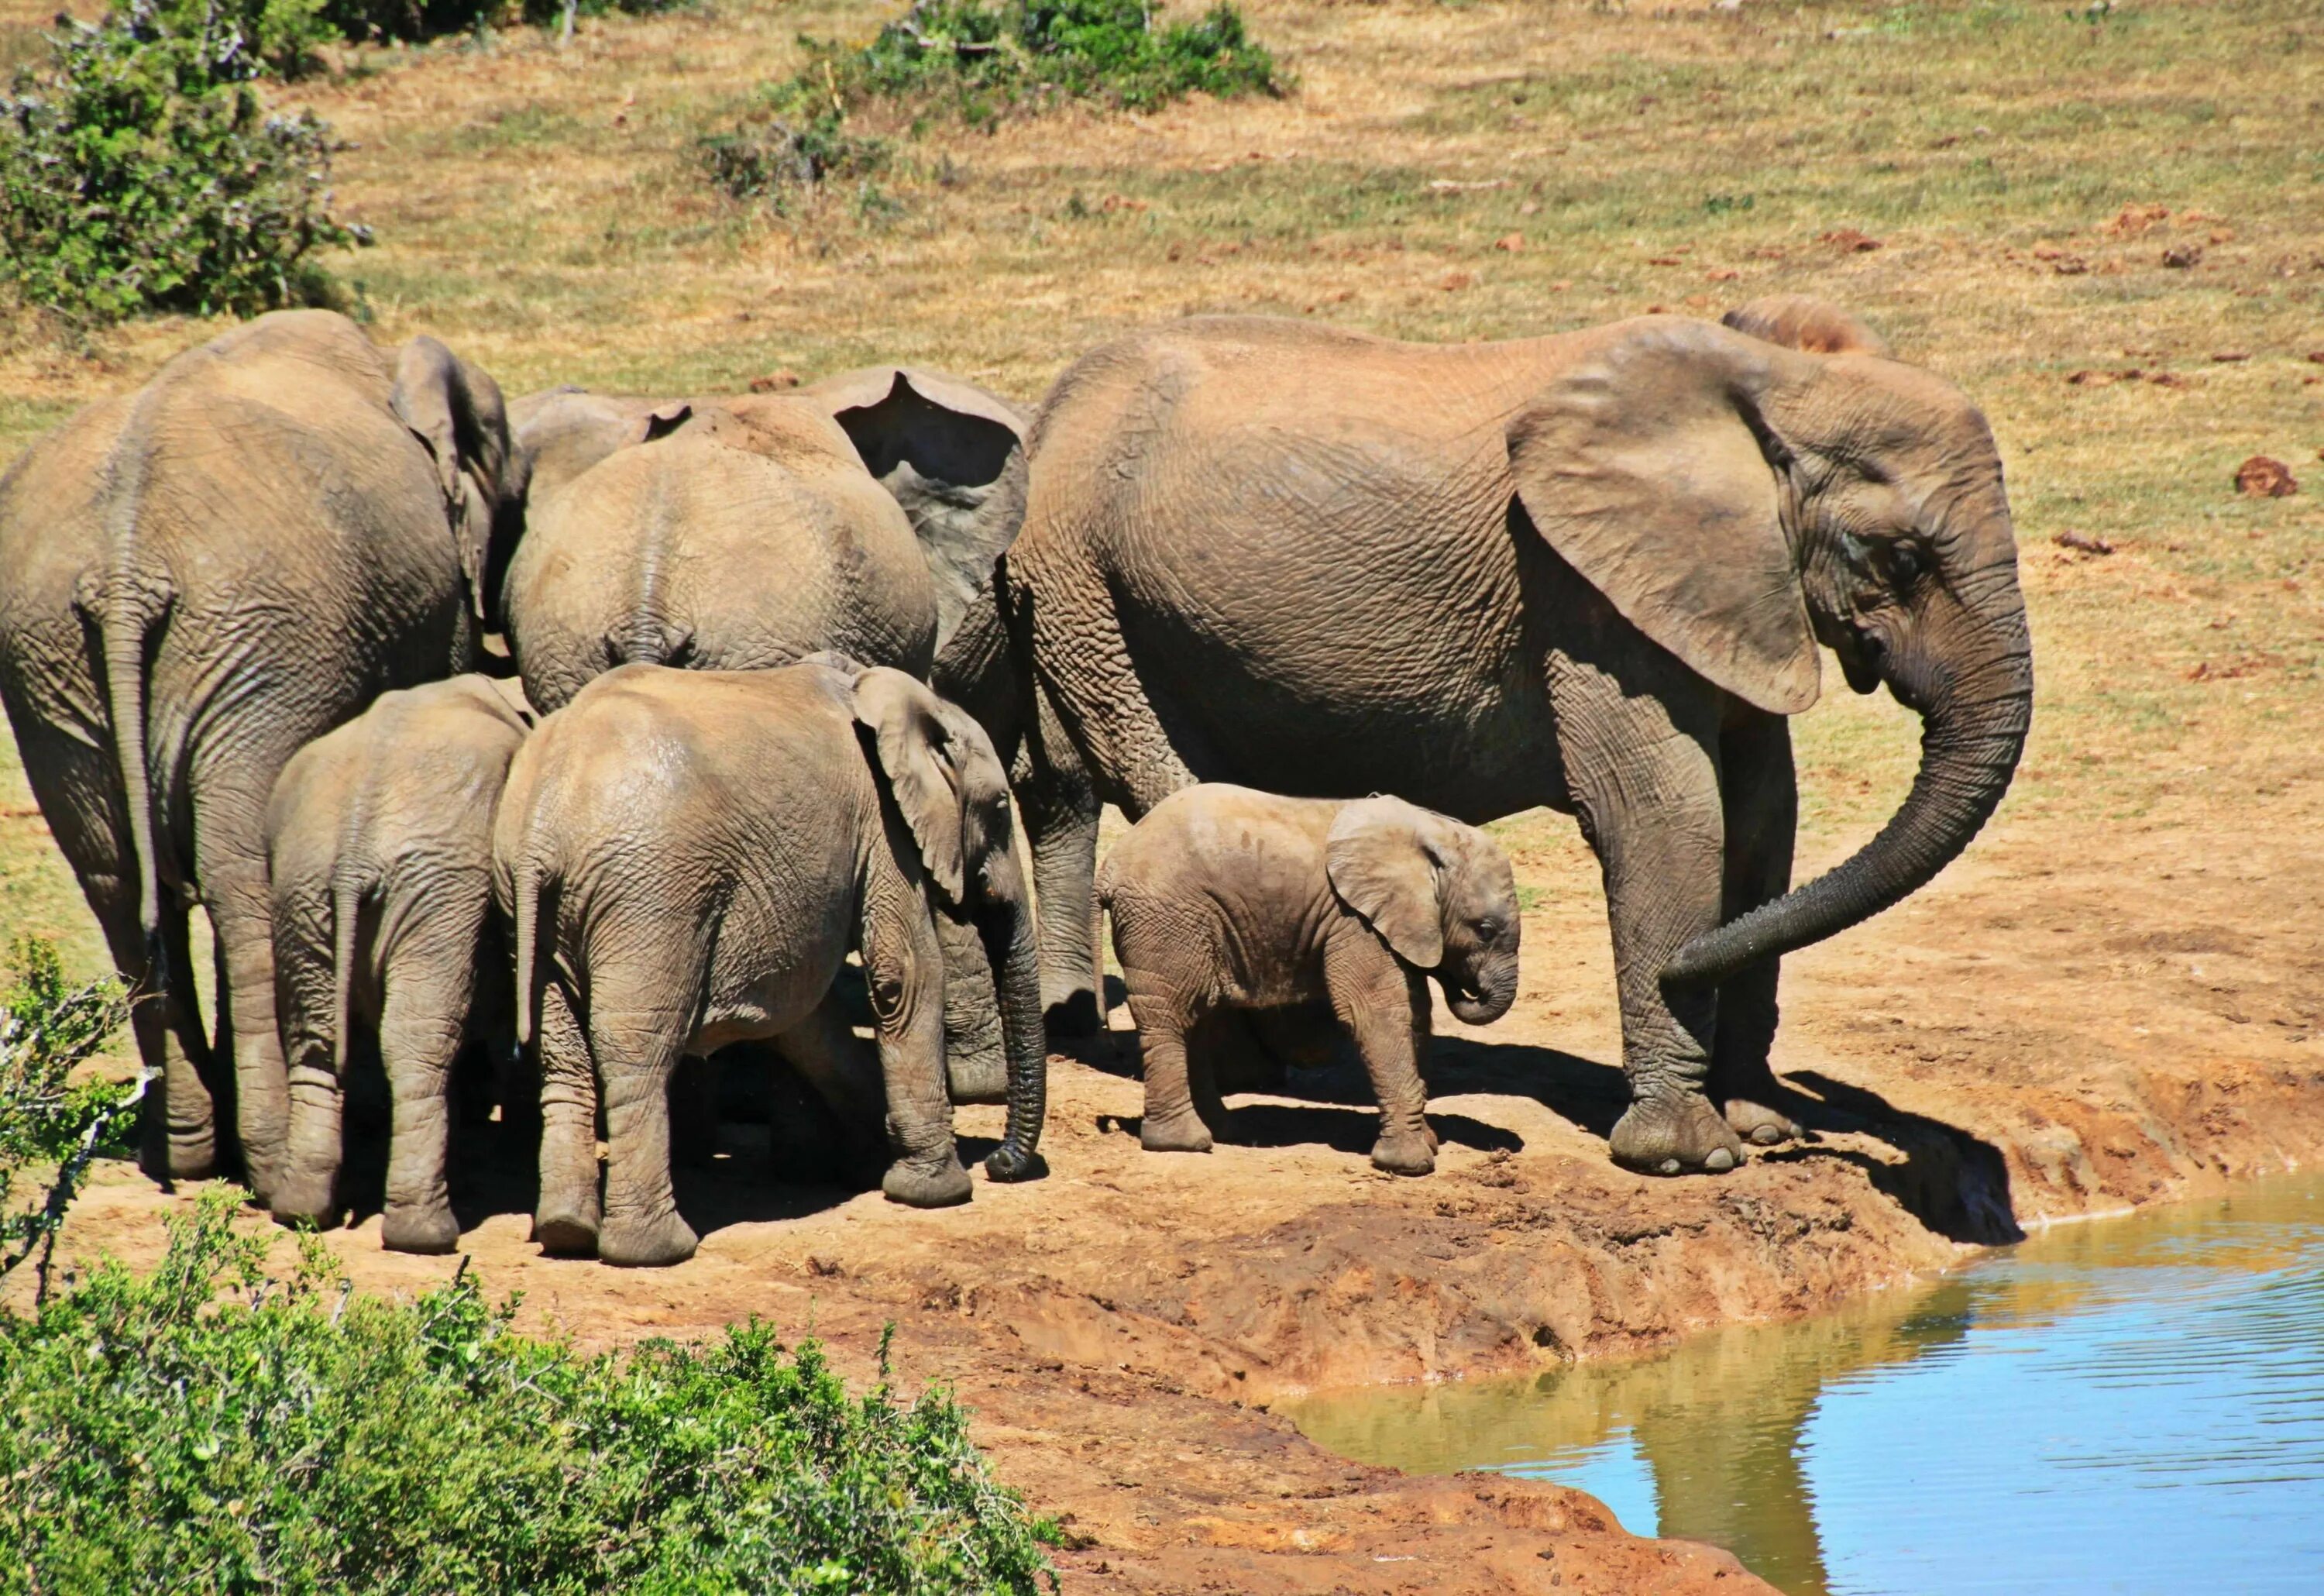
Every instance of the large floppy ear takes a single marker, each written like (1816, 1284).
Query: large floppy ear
(455, 410)
(908, 733)
(1650, 466)
(1804, 322)
(950, 453)
(1382, 866)
(561, 433)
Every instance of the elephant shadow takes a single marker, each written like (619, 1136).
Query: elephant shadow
(1953, 1181)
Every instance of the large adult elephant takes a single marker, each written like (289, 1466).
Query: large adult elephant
(1589, 571)
(201, 577)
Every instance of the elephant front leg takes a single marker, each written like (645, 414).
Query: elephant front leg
(1385, 1008)
(1761, 799)
(565, 1214)
(1640, 753)
(976, 1065)
(1061, 814)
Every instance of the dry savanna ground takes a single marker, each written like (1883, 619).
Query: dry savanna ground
(2106, 225)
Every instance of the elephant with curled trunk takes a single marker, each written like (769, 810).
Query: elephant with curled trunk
(199, 578)
(1589, 571)
(689, 856)
(379, 845)
(1224, 898)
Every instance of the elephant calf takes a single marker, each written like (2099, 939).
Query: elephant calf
(379, 845)
(1225, 898)
(689, 856)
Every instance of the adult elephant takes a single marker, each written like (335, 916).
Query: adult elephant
(1589, 571)
(202, 577)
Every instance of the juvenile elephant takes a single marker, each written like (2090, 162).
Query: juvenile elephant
(1226, 897)
(379, 842)
(1589, 571)
(201, 577)
(688, 856)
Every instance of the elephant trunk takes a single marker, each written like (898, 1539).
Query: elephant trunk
(1974, 730)
(1009, 942)
(1491, 997)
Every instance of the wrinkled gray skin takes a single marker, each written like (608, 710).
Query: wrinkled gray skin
(201, 577)
(1224, 898)
(1589, 571)
(857, 514)
(688, 857)
(379, 842)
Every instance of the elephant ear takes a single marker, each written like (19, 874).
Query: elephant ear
(950, 453)
(1382, 866)
(908, 733)
(455, 410)
(1650, 467)
(1804, 322)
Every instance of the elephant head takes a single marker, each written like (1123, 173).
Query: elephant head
(951, 454)
(948, 784)
(455, 409)
(1739, 502)
(1439, 893)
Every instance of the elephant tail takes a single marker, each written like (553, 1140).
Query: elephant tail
(129, 611)
(346, 910)
(526, 901)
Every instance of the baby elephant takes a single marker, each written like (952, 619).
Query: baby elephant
(1227, 898)
(379, 845)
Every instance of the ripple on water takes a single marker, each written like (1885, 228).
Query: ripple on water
(2129, 1405)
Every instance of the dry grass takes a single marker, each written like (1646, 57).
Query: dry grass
(1452, 171)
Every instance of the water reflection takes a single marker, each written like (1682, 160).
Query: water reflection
(2133, 1405)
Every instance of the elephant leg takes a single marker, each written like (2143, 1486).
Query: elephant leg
(1385, 1008)
(566, 1214)
(422, 1025)
(976, 1065)
(1060, 812)
(903, 965)
(637, 1055)
(1639, 742)
(1761, 798)
(838, 1068)
(1172, 1124)
(73, 781)
(306, 1189)
(230, 862)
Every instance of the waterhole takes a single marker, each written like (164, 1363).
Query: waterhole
(2128, 1405)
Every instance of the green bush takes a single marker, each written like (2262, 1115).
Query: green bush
(141, 171)
(51, 1127)
(207, 1428)
(980, 59)
(778, 159)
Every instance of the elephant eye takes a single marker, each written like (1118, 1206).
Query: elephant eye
(1904, 564)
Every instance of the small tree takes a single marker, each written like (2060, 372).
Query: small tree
(141, 171)
(51, 1128)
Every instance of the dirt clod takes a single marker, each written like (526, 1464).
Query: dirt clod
(2261, 477)
(2082, 542)
(775, 381)
(2183, 257)
(1849, 241)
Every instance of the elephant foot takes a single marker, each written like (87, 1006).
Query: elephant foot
(566, 1232)
(1073, 1016)
(306, 1200)
(1677, 1135)
(1405, 1152)
(922, 1185)
(641, 1241)
(182, 1158)
(1758, 1124)
(414, 1229)
(1182, 1132)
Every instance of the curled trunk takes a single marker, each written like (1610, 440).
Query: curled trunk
(1008, 930)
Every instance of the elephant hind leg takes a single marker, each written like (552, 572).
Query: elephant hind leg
(424, 1021)
(638, 1053)
(1760, 796)
(568, 1213)
(231, 864)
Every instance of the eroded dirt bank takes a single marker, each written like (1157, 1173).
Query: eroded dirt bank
(2047, 1033)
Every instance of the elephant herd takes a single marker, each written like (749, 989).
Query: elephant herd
(605, 731)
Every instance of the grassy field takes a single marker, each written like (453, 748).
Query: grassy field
(1988, 184)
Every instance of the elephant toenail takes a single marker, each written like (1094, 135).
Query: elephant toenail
(1767, 1136)
(1719, 1162)
(1668, 1167)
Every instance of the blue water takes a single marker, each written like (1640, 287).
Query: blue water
(2127, 1406)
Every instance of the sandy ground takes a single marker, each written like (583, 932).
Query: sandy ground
(2051, 1031)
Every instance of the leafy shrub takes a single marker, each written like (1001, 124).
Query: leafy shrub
(141, 171)
(776, 159)
(208, 1428)
(50, 1126)
(980, 59)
